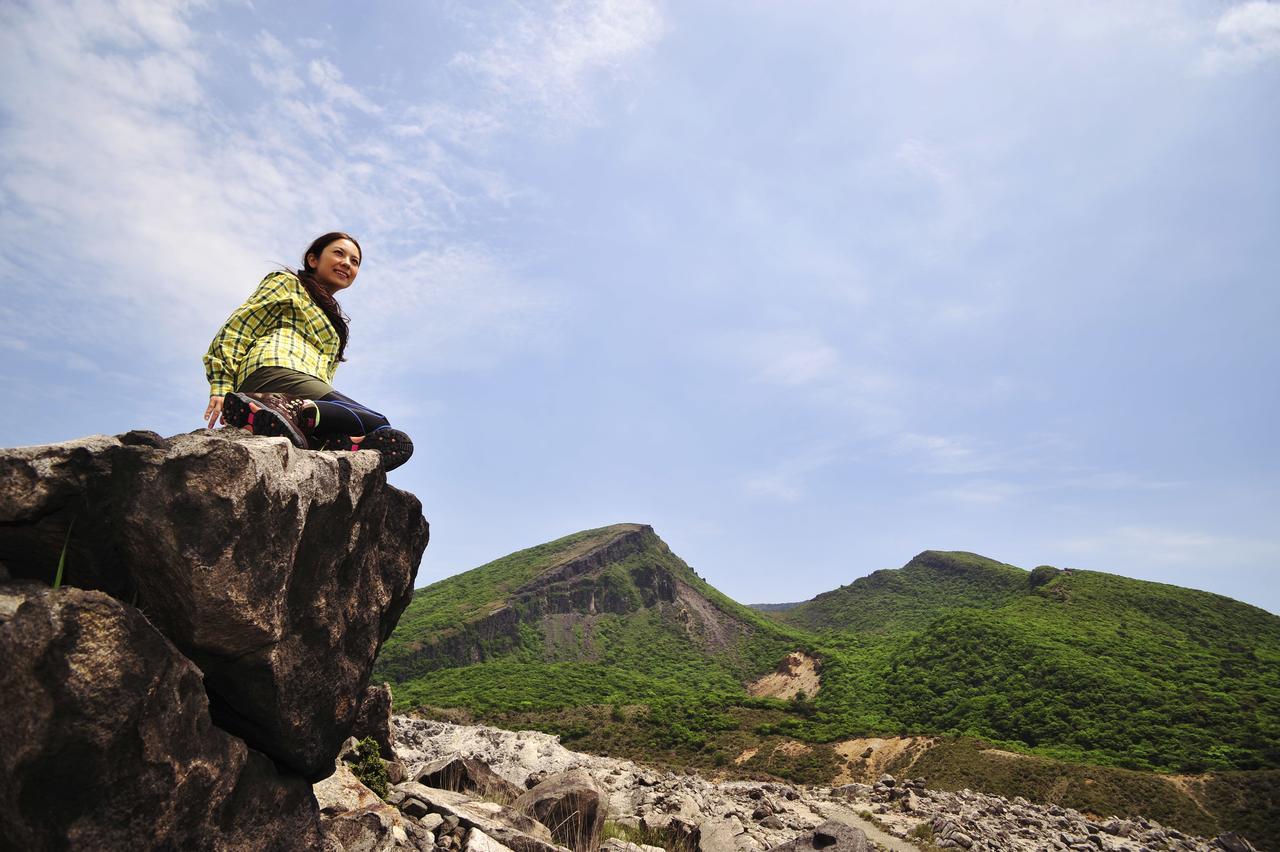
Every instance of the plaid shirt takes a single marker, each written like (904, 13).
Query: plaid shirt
(279, 326)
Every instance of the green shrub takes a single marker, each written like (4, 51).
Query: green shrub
(369, 768)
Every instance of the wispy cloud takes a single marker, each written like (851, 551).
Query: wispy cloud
(787, 480)
(1244, 36)
(168, 206)
(547, 55)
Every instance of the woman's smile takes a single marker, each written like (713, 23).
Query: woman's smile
(338, 265)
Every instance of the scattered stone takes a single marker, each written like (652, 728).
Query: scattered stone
(695, 814)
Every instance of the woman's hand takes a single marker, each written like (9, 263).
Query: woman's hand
(214, 411)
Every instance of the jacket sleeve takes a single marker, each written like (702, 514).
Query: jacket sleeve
(255, 318)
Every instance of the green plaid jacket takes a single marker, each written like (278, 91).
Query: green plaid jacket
(279, 326)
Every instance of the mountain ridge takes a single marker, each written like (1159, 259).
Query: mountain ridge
(608, 639)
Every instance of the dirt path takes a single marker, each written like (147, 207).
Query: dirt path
(874, 833)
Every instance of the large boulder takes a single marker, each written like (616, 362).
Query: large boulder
(108, 743)
(831, 836)
(571, 805)
(465, 775)
(279, 572)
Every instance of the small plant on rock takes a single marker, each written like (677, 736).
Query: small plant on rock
(369, 768)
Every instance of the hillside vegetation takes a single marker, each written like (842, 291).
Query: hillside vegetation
(604, 616)
(609, 639)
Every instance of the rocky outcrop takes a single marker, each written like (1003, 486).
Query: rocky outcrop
(108, 743)
(223, 599)
(278, 572)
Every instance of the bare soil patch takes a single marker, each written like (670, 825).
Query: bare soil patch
(867, 758)
(798, 672)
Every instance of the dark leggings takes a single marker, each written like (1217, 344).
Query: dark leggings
(340, 415)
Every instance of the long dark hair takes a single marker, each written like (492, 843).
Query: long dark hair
(322, 297)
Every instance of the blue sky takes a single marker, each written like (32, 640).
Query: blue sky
(809, 287)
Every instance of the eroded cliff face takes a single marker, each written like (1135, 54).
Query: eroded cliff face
(619, 576)
(234, 588)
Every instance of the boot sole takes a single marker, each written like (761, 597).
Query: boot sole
(236, 410)
(394, 446)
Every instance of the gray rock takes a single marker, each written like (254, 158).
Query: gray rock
(508, 826)
(464, 775)
(1232, 842)
(108, 742)
(830, 836)
(343, 791)
(279, 572)
(373, 719)
(376, 828)
(478, 841)
(570, 804)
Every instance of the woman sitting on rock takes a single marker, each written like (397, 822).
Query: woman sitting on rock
(271, 365)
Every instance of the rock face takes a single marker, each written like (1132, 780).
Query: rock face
(108, 743)
(278, 572)
(224, 598)
(373, 719)
(626, 569)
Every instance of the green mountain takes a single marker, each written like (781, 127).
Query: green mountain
(1074, 664)
(603, 616)
(609, 639)
(911, 597)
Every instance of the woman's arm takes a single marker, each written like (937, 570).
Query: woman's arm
(256, 317)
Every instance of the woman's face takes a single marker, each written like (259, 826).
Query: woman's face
(337, 265)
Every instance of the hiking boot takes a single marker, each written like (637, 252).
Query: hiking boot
(273, 414)
(394, 446)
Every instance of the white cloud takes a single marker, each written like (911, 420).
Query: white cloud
(326, 76)
(436, 304)
(549, 53)
(1245, 35)
(948, 454)
(148, 204)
